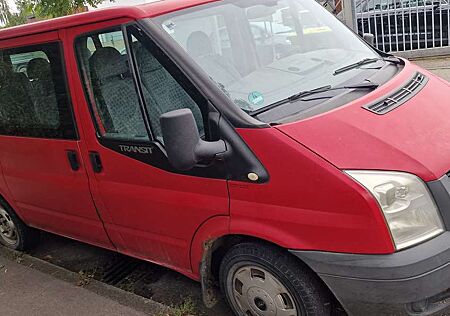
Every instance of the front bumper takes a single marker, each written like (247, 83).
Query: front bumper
(415, 281)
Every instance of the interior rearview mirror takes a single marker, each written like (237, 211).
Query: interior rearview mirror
(369, 38)
(183, 144)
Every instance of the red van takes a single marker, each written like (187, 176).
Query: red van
(258, 145)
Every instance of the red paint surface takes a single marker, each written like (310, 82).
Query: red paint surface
(413, 138)
(131, 12)
(307, 204)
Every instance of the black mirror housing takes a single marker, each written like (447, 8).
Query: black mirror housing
(369, 38)
(183, 144)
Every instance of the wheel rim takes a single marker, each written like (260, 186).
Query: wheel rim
(8, 231)
(257, 292)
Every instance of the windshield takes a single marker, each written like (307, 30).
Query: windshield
(262, 51)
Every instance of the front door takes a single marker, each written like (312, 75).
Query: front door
(150, 210)
(39, 143)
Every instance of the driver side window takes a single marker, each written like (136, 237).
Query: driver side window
(161, 90)
(110, 86)
(123, 107)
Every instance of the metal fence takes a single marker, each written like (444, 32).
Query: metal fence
(404, 25)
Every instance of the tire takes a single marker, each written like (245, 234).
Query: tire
(259, 279)
(14, 234)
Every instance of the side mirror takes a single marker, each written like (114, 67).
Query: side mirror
(369, 38)
(183, 144)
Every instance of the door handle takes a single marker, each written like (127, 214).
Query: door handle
(73, 160)
(96, 162)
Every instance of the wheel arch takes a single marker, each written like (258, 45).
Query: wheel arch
(4, 198)
(210, 244)
(218, 230)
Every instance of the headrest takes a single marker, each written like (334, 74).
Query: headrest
(199, 44)
(146, 61)
(107, 62)
(38, 68)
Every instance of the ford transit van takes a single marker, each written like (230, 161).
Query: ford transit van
(257, 146)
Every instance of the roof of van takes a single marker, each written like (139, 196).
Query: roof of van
(134, 12)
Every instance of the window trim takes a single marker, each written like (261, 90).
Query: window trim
(69, 101)
(68, 90)
(138, 82)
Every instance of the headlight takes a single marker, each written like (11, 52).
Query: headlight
(407, 205)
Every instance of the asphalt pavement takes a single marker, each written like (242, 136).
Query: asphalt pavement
(25, 291)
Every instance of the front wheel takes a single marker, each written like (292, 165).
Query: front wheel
(263, 280)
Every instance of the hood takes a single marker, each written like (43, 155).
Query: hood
(414, 137)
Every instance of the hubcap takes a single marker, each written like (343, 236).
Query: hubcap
(256, 292)
(8, 231)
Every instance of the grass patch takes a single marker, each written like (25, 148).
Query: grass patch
(85, 277)
(187, 308)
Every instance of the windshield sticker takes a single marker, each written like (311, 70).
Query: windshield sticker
(169, 27)
(256, 98)
(314, 30)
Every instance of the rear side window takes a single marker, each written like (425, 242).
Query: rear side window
(33, 93)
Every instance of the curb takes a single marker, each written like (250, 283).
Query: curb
(128, 299)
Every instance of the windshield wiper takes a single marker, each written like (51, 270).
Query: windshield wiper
(391, 59)
(368, 85)
(362, 62)
(302, 94)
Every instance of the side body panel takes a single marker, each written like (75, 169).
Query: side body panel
(6, 194)
(149, 213)
(44, 189)
(47, 193)
(308, 204)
